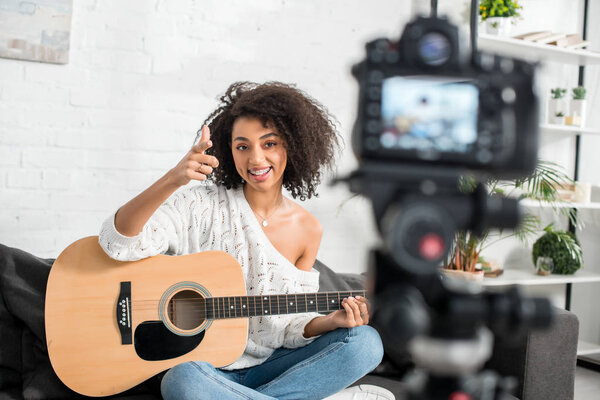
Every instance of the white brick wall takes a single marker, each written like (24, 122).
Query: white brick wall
(79, 140)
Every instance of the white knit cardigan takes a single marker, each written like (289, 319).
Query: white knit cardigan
(210, 217)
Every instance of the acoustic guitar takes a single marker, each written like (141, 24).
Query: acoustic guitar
(111, 325)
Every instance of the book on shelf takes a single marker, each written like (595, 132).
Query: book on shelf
(573, 41)
(551, 38)
(531, 36)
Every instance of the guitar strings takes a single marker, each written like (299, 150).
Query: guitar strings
(254, 298)
(225, 307)
(318, 295)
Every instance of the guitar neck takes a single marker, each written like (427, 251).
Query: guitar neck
(252, 306)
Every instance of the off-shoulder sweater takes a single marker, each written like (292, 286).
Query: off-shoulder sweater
(210, 217)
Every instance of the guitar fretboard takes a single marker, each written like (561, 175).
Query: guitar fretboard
(252, 306)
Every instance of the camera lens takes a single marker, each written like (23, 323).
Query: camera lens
(434, 49)
(418, 234)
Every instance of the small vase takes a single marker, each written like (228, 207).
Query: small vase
(499, 26)
(578, 112)
(544, 266)
(557, 106)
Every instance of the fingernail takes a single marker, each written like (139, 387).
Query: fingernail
(358, 297)
(209, 143)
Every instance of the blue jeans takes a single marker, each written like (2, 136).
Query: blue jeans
(327, 365)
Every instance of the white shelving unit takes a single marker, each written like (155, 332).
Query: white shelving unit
(528, 278)
(537, 204)
(535, 51)
(567, 130)
(546, 53)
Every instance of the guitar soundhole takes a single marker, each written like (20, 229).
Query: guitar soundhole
(186, 309)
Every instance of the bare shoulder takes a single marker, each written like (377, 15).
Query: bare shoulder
(305, 220)
(308, 232)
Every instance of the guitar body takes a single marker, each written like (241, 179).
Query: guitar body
(110, 325)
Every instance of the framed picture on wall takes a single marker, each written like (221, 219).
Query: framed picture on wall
(36, 30)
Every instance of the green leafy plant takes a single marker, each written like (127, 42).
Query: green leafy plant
(579, 93)
(563, 247)
(559, 114)
(542, 185)
(499, 8)
(558, 93)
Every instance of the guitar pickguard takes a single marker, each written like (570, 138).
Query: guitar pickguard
(150, 333)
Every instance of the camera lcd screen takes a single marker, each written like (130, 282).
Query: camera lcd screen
(428, 114)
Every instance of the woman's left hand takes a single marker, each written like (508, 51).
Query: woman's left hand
(355, 313)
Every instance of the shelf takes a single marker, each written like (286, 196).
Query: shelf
(537, 204)
(568, 130)
(586, 348)
(535, 51)
(529, 277)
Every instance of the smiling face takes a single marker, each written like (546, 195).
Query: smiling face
(259, 154)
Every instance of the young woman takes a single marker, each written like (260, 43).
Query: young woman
(261, 139)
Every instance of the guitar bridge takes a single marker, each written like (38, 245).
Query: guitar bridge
(123, 313)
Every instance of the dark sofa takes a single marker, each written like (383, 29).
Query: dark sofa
(543, 363)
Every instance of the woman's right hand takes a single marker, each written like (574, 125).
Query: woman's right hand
(195, 165)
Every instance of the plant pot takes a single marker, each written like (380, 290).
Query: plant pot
(498, 26)
(578, 112)
(556, 106)
(468, 276)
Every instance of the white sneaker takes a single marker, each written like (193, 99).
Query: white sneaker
(363, 392)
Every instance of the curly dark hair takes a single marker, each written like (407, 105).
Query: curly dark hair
(307, 129)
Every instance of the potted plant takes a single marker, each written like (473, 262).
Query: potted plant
(544, 265)
(561, 248)
(577, 109)
(541, 185)
(499, 15)
(559, 118)
(557, 106)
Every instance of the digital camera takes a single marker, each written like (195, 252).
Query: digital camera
(425, 101)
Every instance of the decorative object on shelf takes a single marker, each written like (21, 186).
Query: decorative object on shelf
(557, 106)
(571, 41)
(562, 247)
(499, 15)
(577, 109)
(578, 192)
(490, 268)
(533, 36)
(568, 41)
(550, 38)
(541, 185)
(559, 118)
(583, 192)
(544, 266)
(565, 191)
